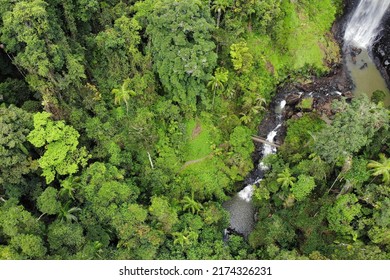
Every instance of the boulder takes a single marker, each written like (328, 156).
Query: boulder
(293, 99)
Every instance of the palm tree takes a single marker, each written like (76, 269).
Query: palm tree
(123, 94)
(217, 81)
(260, 102)
(180, 238)
(190, 204)
(185, 237)
(285, 179)
(67, 213)
(253, 100)
(246, 118)
(219, 6)
(68, 187)
(381, 167)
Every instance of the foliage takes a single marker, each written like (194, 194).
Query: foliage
(116, 48)
(29, 245)
(296, 145)
(241, 149)
(342, 213)
(137, 121)
(218, 80)
(381, 167)
(306, 103)
(241, 57)
(352, 128)
(303, 187)
(42, 50)
(15, 125)
(60, 141)
(123, 94)
(164, 213)
(285, 179)
(190, 204)
(48, 203)
(182, 49)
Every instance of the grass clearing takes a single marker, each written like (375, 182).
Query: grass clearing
(201, 135)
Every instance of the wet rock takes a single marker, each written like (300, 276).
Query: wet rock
(353, 58)
(355, 51)
(293, 99)
(348, 94)
(340, 87)
(326, 109)
(363, 66)
(288, 114)
(381, 50)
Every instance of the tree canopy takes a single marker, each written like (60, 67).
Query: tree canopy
(126, 126)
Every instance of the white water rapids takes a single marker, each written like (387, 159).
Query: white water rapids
(364, 24)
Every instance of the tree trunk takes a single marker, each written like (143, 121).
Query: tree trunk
(219, 17)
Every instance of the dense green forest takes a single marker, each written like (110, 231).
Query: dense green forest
(126, 124)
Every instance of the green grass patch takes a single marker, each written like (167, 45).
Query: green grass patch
(204, 172)
(201, 135)
(301, 40)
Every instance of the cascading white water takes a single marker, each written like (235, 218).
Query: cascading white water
(361, 32)
(268, 149)
(247, 192)
(364, 25)
(240, 207)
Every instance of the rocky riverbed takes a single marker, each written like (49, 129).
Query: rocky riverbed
(319, 92)
(314, 94)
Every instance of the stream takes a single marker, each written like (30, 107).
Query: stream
(361, 31)
(242, 212)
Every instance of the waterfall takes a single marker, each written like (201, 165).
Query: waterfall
(247, 192)
(240, 206)
(268, 149)
(361, 32)
(364, 24)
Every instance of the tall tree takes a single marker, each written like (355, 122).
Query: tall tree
(15, 125)
(62, 156)
(242, 59)
(285, 179)
(185, 238)
(218, 80)
(123, 94)
(353, 127)
(164, 213)
(32, 33)
(190, 204)
(115, 57)
(219, 6)
(182, 49)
